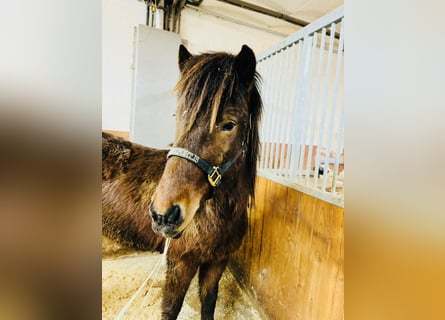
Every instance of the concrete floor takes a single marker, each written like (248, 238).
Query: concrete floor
(123, 275)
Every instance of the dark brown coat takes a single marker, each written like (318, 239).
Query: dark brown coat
(218, 113)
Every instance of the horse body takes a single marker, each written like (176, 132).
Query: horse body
(130, 173)
(143, 191)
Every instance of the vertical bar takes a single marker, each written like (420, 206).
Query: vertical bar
(267, 107)
(338, 151)
(303, 104)
(292, 107)
(307, 102)
(334, 104)
(285, 74)
(262, 72)
(295, 119)
(265, 88)
(340, 129)
(269, 111)
(324, 103)
(274, 117)
(316, 103)
(278, 110)
(287, 122)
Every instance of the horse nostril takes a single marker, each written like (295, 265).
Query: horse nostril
(173, 215)
(154, 215)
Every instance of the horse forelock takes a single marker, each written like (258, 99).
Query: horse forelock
(207, 83)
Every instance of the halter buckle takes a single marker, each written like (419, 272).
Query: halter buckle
(214, 177)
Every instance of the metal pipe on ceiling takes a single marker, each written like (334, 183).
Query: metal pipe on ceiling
(269, 12)
(194, 2)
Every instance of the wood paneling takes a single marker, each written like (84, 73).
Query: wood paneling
(292, 256)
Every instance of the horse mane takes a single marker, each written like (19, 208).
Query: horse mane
(210, 79)
(253, 152)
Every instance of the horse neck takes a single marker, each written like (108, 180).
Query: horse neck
(235, 186)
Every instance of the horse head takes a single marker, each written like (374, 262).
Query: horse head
(216, 143)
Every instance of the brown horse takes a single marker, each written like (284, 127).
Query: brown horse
(198, 192)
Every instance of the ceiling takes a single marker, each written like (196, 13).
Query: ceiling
(307, 10)
(294, 14)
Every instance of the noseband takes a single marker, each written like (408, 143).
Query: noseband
(214, 173)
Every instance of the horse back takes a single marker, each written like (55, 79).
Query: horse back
(130, 173)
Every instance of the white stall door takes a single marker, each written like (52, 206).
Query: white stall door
(154, 77)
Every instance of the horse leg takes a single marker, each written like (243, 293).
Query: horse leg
(209, 276)
(179, 275)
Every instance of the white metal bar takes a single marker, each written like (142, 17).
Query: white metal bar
(282, 108)
(324, 103)
(274, 115)
(288, 106)
(262, 71)
(316, 102)
(278, 113)
(333, 105)
(275, 118)
(338, 151)
(265, 90)
(269, 111)
(307, 95)
(292, 117)
(267, 108)
(296, 129)
(264, 77)
(303, 105)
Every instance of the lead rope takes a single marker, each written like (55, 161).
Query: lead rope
(155, 270)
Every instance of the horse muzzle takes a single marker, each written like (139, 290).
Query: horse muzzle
(167, 223)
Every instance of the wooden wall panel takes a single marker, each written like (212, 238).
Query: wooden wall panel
(292, 256)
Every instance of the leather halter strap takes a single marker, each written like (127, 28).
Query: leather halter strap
(214, 173)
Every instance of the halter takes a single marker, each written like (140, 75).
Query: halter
(214, 173)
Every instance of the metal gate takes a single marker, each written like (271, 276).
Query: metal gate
(303, 124)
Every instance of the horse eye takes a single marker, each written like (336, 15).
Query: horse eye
(228, 126)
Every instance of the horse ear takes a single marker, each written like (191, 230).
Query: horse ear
(245, 63)
(183, 56)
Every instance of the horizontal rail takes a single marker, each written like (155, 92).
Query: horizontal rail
(338, 201)
(315, 26)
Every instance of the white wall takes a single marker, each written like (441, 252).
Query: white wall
(156, 74)
(118, 19)
(202, 32)
(206, 32)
